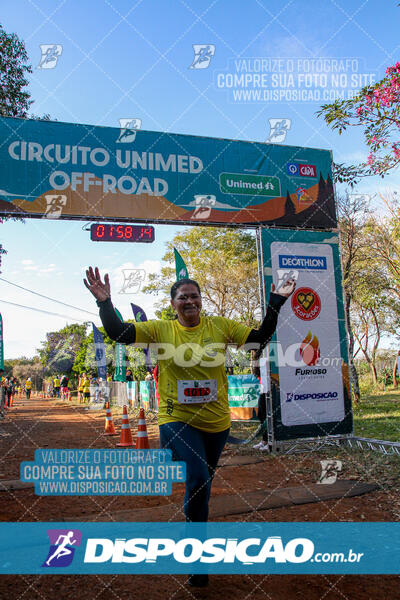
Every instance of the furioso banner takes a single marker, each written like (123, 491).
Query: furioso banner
(67, 170)
(308, 355)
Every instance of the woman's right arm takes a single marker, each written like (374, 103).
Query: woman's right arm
(124, 333)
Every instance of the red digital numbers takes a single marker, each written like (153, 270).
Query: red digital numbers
(121, 233)
(146, 232)
(100, 231)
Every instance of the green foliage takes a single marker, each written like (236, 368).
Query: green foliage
(224, 263)
(14, 99)
(59, 350)
(376, 109)
(85, 358)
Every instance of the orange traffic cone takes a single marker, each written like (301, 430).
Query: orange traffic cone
(109, 428)
(142, 439)
(126, 434)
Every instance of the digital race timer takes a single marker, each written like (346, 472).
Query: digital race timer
(106, 232)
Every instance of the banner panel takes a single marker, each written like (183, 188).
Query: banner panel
(243, 394)
(67, 170)
(65, 548)
(308, 354)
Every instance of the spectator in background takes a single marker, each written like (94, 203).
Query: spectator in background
(56, 383)
(2, 393)
(28, 388)
(64, 387)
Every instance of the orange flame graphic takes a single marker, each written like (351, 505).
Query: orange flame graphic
(309, 350)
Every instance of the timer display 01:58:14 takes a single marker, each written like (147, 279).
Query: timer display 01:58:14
(106, 232)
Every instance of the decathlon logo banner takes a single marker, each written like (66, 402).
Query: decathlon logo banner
(302, 262)
(309, 319)
(151, 548)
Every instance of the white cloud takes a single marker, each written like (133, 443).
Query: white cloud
(27, 261)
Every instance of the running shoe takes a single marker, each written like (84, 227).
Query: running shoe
(198, 580)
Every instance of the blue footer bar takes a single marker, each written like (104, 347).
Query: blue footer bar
(231, 548)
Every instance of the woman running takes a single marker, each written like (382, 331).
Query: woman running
(193, 412)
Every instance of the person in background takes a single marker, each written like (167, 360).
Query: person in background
(64, 387)
(86, 389)
(56, 383)
(28, 388)
(2, 393)
(129, 376)
(81, 379)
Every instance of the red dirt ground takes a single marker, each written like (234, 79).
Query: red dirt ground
(42, 423)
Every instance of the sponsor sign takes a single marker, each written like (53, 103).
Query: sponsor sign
(310, 365)
(67, 170)
(306, 303)
(299, 170)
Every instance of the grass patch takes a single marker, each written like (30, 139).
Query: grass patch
(377, 416)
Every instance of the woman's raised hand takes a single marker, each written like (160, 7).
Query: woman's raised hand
(286, 289)
(100, 290)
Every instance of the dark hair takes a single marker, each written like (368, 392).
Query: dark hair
(177, 285)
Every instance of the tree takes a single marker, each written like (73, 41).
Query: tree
(376, 108)
(353, 217)
(224, 262)
(59, 350)
(14, 99)
(85, 358)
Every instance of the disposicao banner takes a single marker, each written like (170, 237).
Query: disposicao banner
(100, 353)
(120, 367)
(308, 355)
(69, 170)
(243, 394)
(141, 316)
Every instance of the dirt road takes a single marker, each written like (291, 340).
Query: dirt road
(42, 423)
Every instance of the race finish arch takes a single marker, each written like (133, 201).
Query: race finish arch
(73, 171)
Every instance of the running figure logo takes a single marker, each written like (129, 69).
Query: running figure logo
(278, 130)
(50, 55)
(330, 469)
(128, 129)
(62, 546)
(55, 205)
(133, 279)
(203, 54)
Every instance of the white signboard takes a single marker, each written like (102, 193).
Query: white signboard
(310, 366)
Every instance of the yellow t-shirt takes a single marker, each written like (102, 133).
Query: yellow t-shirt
(56, 382)
(28, 385)
(86, 386)
(192, 354)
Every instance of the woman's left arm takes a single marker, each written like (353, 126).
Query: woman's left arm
(276, 300)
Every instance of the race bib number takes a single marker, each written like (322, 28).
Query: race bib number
(194, 391)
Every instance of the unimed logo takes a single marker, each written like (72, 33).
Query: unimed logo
(191, 550)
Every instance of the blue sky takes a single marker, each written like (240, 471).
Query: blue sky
(131, 59)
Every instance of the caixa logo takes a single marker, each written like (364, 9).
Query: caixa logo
(299, 170)
(62, 547)
(191, 550)
(314, 396)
